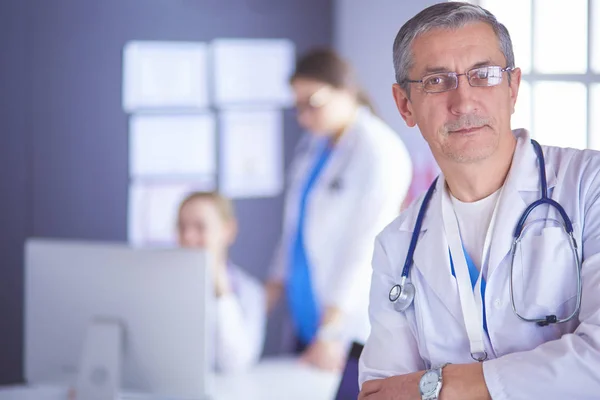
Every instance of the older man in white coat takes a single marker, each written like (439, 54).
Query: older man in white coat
(506, 300)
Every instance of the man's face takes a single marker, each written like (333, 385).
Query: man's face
(466, 124)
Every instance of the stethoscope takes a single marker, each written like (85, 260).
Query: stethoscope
(402, 295)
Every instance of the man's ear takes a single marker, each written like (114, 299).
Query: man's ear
(515, 83)
(402, 99)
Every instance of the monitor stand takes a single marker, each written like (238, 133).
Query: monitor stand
(99, 375)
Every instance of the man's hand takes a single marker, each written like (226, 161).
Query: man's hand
(401, 387)
(461, 381)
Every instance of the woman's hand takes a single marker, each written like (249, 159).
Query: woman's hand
(221, 280)
(328, 355)
(274, 290)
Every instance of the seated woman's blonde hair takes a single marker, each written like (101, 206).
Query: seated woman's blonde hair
(223, 204)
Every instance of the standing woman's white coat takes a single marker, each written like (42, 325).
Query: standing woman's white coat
(359, 192)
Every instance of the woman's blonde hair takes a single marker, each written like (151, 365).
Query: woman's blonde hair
(223, 204)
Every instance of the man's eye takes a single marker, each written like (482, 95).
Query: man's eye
(434, 81)
(482, 73)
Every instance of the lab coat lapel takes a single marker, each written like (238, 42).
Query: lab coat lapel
(431, 257)
(304, 157)
(523, 179)
(510, 207)
(331, 182)
(332, 175)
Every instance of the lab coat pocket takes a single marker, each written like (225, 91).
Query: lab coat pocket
(546, 266)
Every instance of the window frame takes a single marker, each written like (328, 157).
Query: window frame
(588, 78)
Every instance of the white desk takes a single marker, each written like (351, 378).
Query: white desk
(272, 379)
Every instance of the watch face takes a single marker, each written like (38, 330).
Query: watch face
(429, 382)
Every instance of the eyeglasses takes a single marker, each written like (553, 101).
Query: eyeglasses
(490, 75)
(317, 100)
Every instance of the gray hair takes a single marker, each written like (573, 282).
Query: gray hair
(448, 15)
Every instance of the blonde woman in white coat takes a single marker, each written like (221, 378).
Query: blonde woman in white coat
(207, 221)
(348, 179)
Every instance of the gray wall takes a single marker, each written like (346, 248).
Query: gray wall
(364, 34)
(63, 159)
(15, 204)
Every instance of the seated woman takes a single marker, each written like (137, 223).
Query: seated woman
(207, 221)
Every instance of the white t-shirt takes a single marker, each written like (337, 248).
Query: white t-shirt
(473, 221)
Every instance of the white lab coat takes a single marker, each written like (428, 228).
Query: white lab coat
(526, 361)
(359, 191)
(240, 322)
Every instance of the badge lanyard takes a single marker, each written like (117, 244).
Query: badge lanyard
(471, 300)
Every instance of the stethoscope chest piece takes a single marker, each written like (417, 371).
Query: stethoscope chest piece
(402, 296)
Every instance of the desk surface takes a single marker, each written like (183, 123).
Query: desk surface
(269, 380)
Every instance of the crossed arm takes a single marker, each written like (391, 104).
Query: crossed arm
(379, 359)
(568, 367)
(461, 382)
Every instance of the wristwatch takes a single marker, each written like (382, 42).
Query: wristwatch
(430, 384)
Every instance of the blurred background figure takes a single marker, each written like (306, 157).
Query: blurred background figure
(347, 181)
(207, 221)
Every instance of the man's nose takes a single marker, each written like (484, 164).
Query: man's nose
(464, 99)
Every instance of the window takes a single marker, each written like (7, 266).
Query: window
(557, 121)
(595, 27)
(560, 36)
(594, 142)
(557, 47)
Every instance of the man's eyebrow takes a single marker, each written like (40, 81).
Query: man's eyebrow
(437, 69)
(482, 64)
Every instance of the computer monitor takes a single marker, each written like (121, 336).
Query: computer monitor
(160, 297)
(348, 387)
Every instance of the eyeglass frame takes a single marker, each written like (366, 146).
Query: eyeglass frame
(456, 76)
(312, 104)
